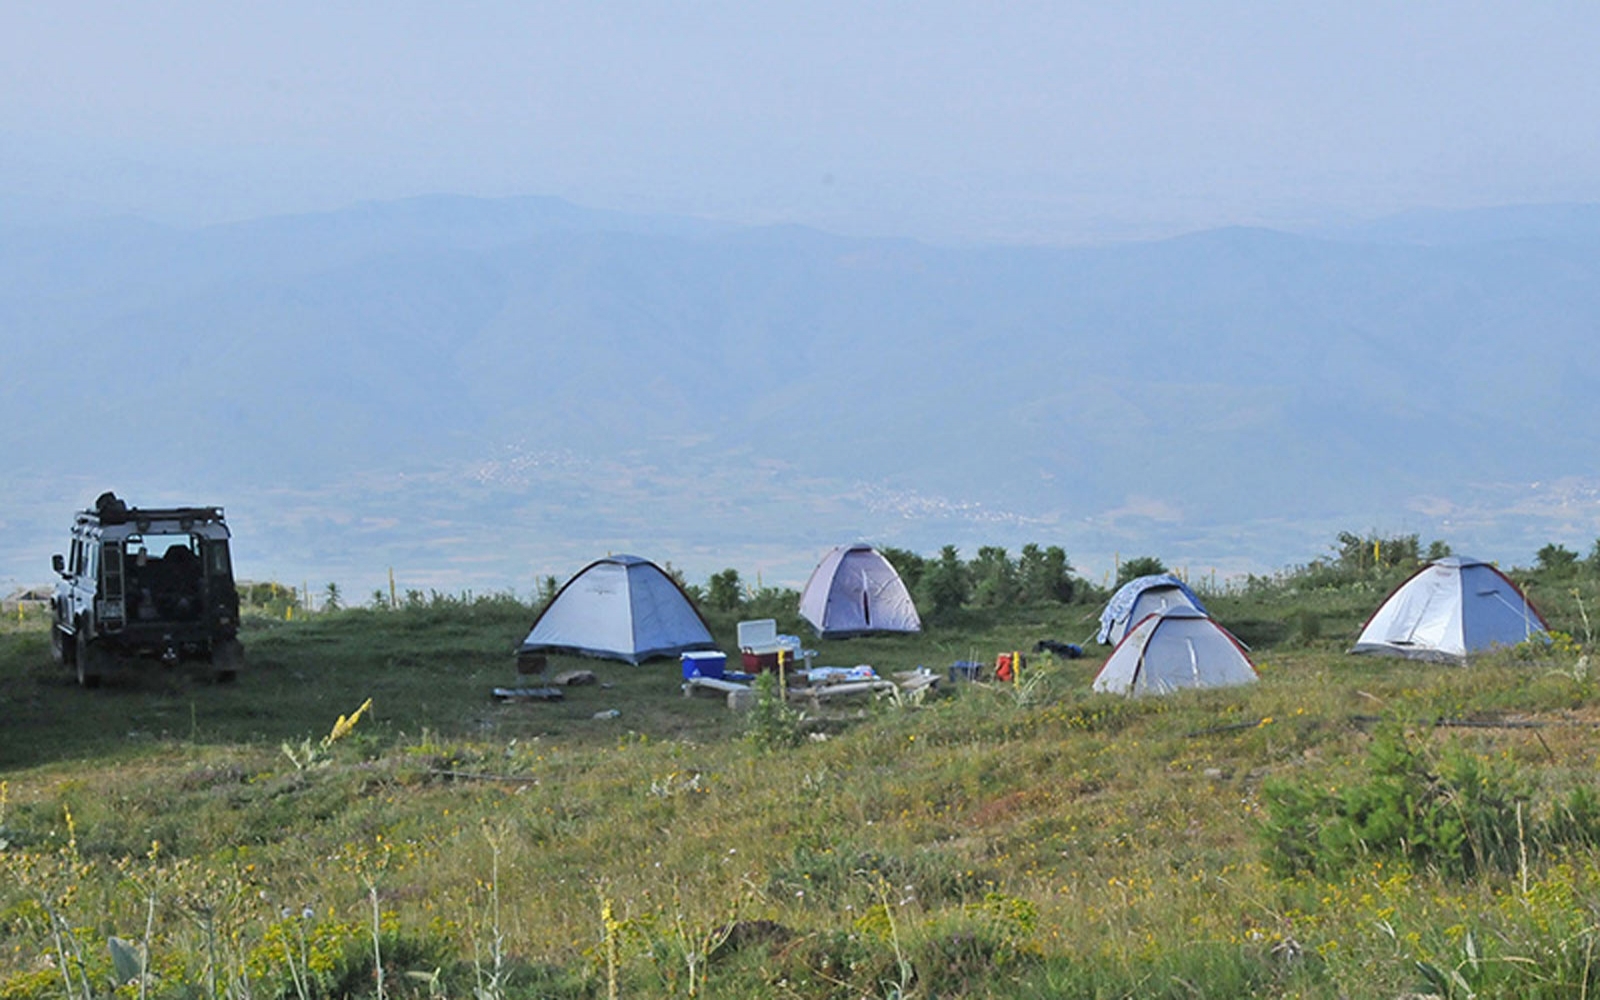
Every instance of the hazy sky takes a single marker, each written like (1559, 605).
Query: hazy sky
(935, 119)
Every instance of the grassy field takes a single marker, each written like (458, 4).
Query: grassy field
(1349, 827)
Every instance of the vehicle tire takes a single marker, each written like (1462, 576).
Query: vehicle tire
(226, 659)
(60, 646)
(92, 661)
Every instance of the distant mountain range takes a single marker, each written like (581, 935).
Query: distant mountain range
(482, 392)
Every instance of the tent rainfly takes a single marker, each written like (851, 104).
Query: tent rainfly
(1171, 650)
(854, 591)
(1449, 610)
(1141, 596)
(620, 608)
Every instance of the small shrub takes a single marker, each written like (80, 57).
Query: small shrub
(1574, 821)
(833, 964)
(772, 724)
(1540, 648)
(1258, 632)
(1400, 809)
(1461, 814)
(1305, 627)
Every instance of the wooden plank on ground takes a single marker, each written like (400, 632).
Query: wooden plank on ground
(693, 684)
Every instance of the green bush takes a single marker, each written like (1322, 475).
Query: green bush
(1453, 818)
(1459, 814)
(1305, 626)
(1139, 566)
(772, 724)
(834, 964)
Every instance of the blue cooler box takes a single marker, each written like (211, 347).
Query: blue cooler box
(704, 663)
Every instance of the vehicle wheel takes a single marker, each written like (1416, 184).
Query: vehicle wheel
(60, 646)
(226, 659)
(92, 661)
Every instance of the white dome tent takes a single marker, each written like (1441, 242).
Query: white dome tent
(620, 608)
(854, 591)
(1449, 610)
(1172, 650)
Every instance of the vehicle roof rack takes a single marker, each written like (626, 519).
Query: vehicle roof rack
(110, 510)
(137, 514)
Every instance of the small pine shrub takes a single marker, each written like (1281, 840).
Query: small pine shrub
(1401, 809)
(1460, 815)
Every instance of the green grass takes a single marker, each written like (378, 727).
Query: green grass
(998, 841)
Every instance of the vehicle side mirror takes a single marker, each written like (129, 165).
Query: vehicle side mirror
(59, 563)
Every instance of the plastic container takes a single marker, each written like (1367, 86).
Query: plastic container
(704, 663)
(756, 663)
(965, 670)
(758, 633)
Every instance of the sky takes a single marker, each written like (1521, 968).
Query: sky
(946, 121)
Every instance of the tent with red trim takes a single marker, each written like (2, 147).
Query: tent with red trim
(1174, 649)
(1447, 611)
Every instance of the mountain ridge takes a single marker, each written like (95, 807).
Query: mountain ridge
(1221, 379)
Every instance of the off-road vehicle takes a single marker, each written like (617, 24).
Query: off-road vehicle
(146, 582)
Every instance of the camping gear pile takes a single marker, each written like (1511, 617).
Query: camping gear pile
(801, 681)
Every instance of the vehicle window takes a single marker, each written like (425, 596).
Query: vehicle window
(75, 562)
(217, 565)
(143, 549)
